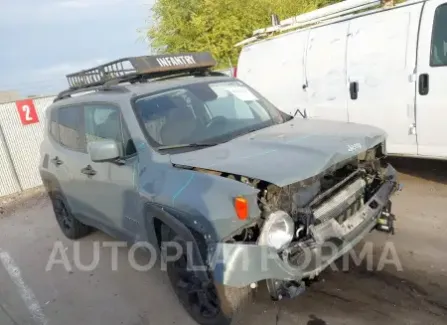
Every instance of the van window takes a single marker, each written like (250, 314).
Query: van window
(71, 128)
(439, 38)
(105, 122)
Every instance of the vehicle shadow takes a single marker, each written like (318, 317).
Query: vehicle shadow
(428, 169)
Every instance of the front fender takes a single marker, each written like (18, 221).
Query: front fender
(172, 219)
(202, 201)
(210, 199)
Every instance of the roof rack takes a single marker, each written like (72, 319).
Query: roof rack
(140, 68)
(112, 88)
(324, 14)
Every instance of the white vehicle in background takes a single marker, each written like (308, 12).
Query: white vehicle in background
(383, 66)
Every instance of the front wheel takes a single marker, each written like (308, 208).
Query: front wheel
(207, 303)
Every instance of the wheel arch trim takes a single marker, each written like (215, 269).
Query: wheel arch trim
(160, 213)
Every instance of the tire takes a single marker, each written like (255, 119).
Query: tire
(227, 303)
(69, 225)
(234, 302)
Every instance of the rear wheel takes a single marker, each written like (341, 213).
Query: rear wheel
(70, 226)
(207, 303)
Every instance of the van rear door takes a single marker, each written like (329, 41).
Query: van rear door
(381, 82)
(326, 72)
(275, 68)
(431, 100)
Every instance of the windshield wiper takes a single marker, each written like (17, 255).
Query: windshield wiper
(303, 114)
(189, 145)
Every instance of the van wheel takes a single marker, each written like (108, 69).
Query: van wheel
(207, 303)
(70, 226)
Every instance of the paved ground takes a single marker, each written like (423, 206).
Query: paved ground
(416, 295)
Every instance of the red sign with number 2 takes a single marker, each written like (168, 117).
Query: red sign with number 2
(27, 111)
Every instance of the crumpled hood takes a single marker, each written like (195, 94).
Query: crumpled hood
(286, 153)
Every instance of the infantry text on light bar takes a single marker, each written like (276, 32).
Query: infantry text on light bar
(176, 60)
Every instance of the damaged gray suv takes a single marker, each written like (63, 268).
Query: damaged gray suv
(229, 190)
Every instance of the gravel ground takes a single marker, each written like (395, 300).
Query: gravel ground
(416, 293)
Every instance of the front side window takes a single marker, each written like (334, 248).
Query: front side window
(439, 38)
(203, 113)
(104, 122)
(71, 134)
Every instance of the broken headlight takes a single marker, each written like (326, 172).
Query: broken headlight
(278, 230)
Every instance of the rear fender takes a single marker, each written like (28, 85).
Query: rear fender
(50, 182)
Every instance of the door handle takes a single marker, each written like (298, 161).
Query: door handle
(354, 90)
(88, 171)
(424, 84)
(57, 161)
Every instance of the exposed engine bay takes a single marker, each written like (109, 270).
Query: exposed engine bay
(320, 208)
(336, 194)
(327, 208)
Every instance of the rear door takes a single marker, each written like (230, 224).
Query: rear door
(325, 84)
(431, 100)
(381, 82)
(69, 154)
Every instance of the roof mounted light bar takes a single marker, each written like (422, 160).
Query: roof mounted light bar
(140, 68)
(317, 16)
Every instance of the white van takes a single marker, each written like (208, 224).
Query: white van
(386, 67)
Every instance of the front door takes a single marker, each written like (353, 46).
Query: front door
(431, 103)
(110, 187)
(381, 83)
(326, 72)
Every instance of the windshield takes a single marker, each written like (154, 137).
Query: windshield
(203, 113)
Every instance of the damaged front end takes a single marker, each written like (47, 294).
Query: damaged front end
(307, 225)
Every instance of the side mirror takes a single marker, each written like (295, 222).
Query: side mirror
(105, 150)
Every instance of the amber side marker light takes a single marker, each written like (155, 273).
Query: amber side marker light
(241, 207)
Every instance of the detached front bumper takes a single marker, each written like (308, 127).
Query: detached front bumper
(239, 265)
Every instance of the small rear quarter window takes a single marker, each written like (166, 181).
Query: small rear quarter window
(54, 128)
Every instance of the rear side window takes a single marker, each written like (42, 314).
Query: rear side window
(71, 134)
(104, 122)
(439, 38)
